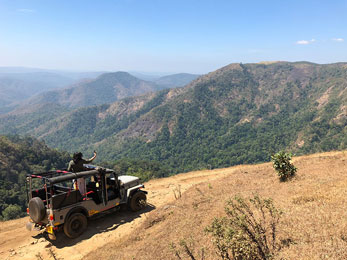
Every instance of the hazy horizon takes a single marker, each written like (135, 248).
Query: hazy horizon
(146, 73)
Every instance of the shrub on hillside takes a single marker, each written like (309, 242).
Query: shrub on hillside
(12, 212)
(281, 163)
(249, 230)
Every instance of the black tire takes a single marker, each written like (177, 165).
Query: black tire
(75, 225)
(138, 201)
(37, 210)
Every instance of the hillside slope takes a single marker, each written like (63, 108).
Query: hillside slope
(238, 114)
(314, 205)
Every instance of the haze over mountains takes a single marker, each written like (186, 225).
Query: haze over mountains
(178, 80)
(80, 88)
(18, 84)
(107, 88)
(16, 87)
(238, 114)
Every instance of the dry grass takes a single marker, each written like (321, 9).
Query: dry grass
(314, 223)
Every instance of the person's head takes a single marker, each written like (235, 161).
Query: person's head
(77, 156)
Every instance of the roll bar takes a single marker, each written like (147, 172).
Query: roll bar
(72, 176)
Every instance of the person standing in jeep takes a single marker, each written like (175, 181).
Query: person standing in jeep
(76, 165)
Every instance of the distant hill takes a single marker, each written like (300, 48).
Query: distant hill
(18, 83)
(19, 156)
(238, 114)
(44, 81)
(172, 80)
(177, 80)
(107, 88)
(16, 87)
(13, 90)
(23, 87)
(146, 76)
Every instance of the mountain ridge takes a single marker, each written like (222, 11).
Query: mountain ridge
(106, 88)
(240, 113)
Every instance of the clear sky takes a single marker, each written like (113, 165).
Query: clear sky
(195, 36)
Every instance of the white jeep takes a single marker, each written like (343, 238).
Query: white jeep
(59, 203)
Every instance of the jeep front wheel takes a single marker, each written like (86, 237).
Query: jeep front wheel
(138, 201)
(75, 225)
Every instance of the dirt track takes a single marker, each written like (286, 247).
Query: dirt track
(18, 243)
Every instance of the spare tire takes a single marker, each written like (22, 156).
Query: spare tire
(37, 210)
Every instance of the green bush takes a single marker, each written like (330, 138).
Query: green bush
(12, 212)
(249, 230)
(281, 163)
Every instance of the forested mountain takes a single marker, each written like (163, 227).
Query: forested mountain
(238, 114)
(107, 88)
(19, 156)
(177, 80)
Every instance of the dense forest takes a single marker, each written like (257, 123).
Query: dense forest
(19, 156)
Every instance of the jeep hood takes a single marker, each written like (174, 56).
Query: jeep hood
(127, 179)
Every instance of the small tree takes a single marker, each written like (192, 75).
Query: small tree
(281, 163)
(12, 212)
(249, 231)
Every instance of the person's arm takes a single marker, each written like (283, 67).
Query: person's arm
(91, 159)
(69, 168)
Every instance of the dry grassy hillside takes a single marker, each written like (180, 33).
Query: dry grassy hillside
(314, 205)
(314, 220)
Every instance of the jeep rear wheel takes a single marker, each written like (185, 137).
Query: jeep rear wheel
(138, 201)
(75, 225)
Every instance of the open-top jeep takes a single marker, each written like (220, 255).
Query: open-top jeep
(55, 201)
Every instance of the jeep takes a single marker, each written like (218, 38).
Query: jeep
(56, 202)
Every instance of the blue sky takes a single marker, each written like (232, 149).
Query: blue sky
(195, 36)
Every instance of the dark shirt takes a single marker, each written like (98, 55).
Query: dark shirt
(78, 166)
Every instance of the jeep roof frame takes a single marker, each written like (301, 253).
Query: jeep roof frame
(57, 176)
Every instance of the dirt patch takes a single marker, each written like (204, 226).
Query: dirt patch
(324, 98)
